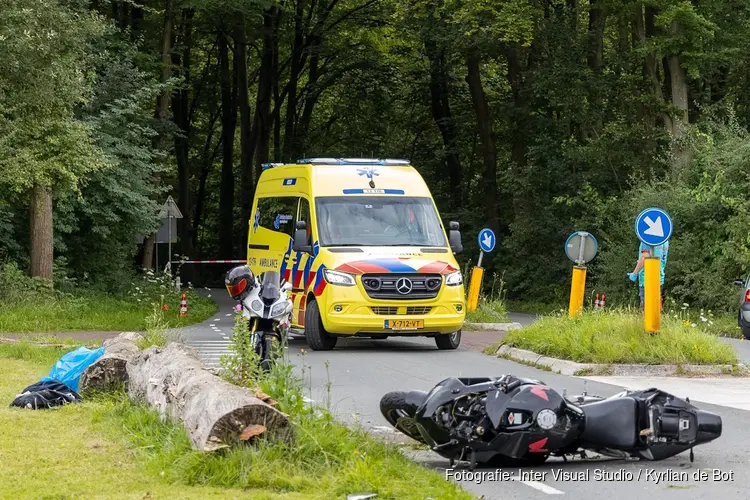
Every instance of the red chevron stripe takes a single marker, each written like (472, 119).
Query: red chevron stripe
(321, 286)
(298, 278)
(287, 272)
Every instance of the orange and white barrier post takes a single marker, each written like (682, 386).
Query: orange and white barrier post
(183, 306)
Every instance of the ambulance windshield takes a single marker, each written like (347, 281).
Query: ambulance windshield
(378, 221)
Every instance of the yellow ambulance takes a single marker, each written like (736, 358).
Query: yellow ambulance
(364, 248)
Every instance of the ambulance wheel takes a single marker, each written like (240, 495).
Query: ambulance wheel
(317, 337)
(449, 341)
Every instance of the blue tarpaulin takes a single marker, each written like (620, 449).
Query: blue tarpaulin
(71, 365)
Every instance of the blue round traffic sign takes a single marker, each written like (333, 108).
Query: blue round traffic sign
(486, 240)
(653, 226)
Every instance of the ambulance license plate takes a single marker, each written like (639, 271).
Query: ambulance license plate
(404, 324)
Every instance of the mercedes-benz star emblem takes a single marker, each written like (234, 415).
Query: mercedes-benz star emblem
(403, 286)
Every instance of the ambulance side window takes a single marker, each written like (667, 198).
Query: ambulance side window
(304, 214)
(277, 214)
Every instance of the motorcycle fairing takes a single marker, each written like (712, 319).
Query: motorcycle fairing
(505, 396)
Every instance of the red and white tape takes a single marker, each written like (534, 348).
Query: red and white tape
(209, 261)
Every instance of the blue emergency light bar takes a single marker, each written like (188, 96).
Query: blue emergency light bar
(354, 161)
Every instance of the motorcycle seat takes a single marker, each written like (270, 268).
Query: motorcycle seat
(612, 423)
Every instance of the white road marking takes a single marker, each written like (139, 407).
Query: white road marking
(228, 314)
(212, 325)
(539, 486)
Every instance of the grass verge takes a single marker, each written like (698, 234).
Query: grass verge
(617, 337)
(107, 447)
(71, 313)
(489, 311)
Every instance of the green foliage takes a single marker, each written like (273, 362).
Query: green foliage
(148, 304)
(617, 336)
(43, 78)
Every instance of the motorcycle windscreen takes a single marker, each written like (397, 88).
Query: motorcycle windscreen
(497, 403)
(271, 286)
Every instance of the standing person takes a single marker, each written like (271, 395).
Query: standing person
(638, 273)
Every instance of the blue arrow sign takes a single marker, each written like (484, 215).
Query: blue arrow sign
(486, 240)
(653, 226)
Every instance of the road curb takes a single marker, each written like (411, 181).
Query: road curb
(573, 368)
(493, 327)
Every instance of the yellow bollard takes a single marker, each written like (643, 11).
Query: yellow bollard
(577, 287)
(474, 286)
(652, 294)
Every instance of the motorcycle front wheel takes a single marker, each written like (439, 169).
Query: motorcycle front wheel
(399, 409)
(270, 350)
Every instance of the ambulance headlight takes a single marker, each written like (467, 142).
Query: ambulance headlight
(454, 279)
(338, 278)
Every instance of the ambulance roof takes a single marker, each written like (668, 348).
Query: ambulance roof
(350, 176)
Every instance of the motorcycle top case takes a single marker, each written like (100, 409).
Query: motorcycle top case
(71, 365)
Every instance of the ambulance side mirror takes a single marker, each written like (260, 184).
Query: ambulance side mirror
(301, 243)
(454, 237)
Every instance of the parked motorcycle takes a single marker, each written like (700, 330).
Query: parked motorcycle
(510, 421)
(268, 308)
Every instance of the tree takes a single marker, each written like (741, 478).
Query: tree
(44, 148)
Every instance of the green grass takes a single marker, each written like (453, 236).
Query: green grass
(489, 311)
(98, 313)
(617, 336)
(107, 447)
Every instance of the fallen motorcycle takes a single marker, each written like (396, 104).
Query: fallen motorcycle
(510, 421)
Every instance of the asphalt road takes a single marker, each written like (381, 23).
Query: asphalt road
(360, 372)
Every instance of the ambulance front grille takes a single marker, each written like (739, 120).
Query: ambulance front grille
(392, 311)
(402, 286)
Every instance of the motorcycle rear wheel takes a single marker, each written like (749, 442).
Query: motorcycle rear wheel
(399, 409)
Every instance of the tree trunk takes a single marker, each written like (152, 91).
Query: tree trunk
(180, 106)
(267, 77)
(109, 372)
(290, 146)
(679, 91)
(162, 112)
(595, 61)
(207, 160)
(247, 133)
(516, 123)
(441, 114)
(228, 123)
(215, 413)
(42, 237)
(484, 122)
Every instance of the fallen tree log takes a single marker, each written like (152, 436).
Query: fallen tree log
(215, 413)
(110, 370)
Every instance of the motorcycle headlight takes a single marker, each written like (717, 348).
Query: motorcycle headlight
(338, 278)
(257, 305)
(278, 310)
(454, 279)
